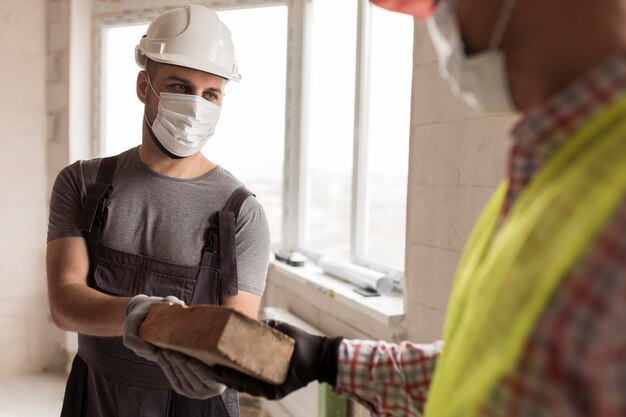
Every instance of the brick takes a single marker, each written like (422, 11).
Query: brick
(220, 335)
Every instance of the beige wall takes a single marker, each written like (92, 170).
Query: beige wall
(57, 85)
(29, 340)
(457, 158)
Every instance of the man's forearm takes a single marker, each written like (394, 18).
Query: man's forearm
(77, 308)
(379, 374)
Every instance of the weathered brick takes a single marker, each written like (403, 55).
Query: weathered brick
(220, 335)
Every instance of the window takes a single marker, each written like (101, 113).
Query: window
(355, 133)
(250, 136)
(249, 139)
(122, 112)
(387, 129)
(328, 128)
(328, 105)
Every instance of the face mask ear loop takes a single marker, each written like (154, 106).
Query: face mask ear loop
(151, 87)
(502, 23)
(145, 116)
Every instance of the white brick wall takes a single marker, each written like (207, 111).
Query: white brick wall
(57, 26)
(29, 340)
(457, 158)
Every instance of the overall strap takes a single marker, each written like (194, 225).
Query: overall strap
(227, 218)
(93, 215)
(221, 249)
(236, 200)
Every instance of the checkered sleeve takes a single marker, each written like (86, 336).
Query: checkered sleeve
(389, 379)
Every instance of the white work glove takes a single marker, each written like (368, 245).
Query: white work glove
(136, 312)
(187, 376)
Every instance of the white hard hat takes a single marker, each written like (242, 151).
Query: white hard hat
(192, 36)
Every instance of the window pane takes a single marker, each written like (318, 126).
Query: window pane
(329, 126)
(249, 139)
(122, 112)
(388, 136)
(250, 136)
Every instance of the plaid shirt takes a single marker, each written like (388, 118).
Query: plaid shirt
(574, 363)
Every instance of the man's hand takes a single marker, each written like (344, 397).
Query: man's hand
(136, 312)
(186, 377)
(314, 358)
(174, 365)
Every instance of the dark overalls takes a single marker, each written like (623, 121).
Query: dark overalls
(107, 379)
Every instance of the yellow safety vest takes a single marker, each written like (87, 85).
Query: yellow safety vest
(504, 283)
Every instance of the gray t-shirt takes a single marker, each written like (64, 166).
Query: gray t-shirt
(162, 217)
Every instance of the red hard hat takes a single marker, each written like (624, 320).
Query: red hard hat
(418, 8)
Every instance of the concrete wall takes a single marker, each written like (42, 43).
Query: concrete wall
(457, 159)
(29, 340)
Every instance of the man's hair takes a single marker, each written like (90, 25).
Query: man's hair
(152, 68)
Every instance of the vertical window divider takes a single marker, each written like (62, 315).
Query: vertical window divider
(295, 123)
(360, 148)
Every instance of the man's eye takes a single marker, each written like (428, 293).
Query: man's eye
(181, 88)
(210, 96)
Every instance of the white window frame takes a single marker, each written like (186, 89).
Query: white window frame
(295, 150)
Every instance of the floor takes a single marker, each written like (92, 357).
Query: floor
(38, 395)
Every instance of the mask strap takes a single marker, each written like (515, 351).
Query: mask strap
(502, 23)
(151, 87)
(145, 117)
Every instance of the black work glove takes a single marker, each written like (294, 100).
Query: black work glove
(314, 358)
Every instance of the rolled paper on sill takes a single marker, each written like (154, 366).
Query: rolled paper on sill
(357, 275)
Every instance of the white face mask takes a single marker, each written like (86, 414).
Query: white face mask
(481, 79)
(184, 122)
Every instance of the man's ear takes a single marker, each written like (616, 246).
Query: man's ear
(142, 86)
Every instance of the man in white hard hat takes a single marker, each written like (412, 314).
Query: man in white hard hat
(157, 222)
(535, 323)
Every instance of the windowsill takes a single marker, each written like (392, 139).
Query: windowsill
(336, 298)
